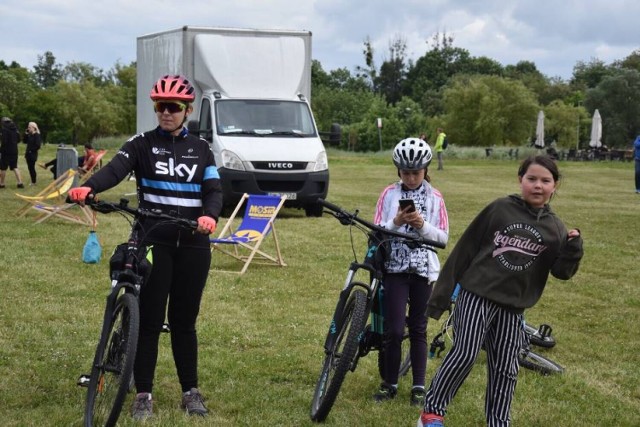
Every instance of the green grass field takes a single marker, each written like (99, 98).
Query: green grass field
(261, 334)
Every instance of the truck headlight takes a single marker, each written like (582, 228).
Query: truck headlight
(322, 163)
(230, 160)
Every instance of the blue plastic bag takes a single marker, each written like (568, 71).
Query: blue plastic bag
(92, 251)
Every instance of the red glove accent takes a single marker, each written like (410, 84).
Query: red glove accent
(207, 223)
(79, 194)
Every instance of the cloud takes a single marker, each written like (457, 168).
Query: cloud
(554, 35)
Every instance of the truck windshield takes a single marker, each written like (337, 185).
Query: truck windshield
(264, 118)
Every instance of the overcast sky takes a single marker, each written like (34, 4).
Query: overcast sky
(555, 35)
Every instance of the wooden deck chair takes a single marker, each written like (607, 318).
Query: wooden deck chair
(243, 242)
(56, 191)
(53, 204)
(62, 211)
(93, 165)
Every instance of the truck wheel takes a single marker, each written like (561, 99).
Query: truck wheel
(314, 209)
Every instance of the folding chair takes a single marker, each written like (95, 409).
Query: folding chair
(54, 191)
(243, 243)
(53, 204)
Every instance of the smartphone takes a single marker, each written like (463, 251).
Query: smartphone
(407, 202)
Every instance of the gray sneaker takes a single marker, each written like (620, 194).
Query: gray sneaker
(142, 407)
(193, 403)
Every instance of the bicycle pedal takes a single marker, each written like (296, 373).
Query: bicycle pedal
(544, 330)
(84, 380)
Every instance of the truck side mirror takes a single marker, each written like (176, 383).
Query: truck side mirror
(193, 126)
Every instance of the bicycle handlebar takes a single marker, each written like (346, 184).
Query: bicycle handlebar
(348, 218)
(123, 206)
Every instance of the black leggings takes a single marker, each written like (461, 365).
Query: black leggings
(32, 158)
(400, 289)
(179, 276)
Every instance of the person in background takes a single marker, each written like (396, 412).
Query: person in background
(410, 272)
(502, 262)
(9, 151)
(181, 260)
(85, 162)
(34, 142)
(440, 136)
(636, 155)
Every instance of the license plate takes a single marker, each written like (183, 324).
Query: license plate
(290, 196)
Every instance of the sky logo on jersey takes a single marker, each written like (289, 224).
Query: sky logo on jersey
(171, 169)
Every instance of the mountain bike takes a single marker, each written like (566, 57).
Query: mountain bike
(112, 369)
(527, 358)
(349, 337)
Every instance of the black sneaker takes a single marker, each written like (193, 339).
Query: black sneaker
(193, 403)
(418, 396)
(20, 185)
(386, 392)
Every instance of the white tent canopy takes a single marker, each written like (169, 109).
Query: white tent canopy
(540, 131)
(596, 131)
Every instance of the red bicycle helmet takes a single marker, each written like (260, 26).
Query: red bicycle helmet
(175, 88)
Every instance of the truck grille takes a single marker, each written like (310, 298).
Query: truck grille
(280, 166)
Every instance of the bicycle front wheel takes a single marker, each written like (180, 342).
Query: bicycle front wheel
(340, 358)
(113, 364)
(538, 363)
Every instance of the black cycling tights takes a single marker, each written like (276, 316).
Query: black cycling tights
(179, 276)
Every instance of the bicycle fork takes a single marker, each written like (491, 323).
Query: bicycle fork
(107, 318)
(338, 315)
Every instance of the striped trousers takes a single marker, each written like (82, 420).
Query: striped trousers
(479, 323)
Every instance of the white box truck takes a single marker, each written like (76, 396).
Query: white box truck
(253, 90)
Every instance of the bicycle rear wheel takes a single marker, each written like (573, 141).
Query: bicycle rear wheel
(113, 364)
(538, 363)
(341, 356)
(405, 357)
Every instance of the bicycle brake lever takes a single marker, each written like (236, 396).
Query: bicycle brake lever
(343, 218)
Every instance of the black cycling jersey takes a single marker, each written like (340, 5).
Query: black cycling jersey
(174, 174)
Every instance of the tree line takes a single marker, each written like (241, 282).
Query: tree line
(477, 100)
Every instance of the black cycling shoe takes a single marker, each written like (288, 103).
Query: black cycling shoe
(418, 396)
(386, 392)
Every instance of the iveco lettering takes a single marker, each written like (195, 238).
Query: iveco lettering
(280, 165)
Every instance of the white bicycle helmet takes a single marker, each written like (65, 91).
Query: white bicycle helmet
(412, 154)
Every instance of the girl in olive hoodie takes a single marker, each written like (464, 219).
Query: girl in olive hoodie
(501, 262)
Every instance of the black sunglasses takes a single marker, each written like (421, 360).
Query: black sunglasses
(173, 107)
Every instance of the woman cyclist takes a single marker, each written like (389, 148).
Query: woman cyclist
(174, 172)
